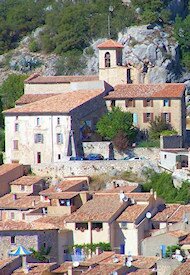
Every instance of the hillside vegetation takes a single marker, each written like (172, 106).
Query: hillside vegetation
(71, 25)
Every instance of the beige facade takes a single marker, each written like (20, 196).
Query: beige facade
(176, 111)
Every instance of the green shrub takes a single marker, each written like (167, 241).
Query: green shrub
(150, 143)
(34, 46)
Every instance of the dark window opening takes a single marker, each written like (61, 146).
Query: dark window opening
(107, 60)
(97, 226)
(13, 241)
(81, 226)
(38, 157)
(129, 76)
(112, 103)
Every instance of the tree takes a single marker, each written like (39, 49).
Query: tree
(42, 254)
(120, 141)
(11, 89)
(157, 126)
(116, 121)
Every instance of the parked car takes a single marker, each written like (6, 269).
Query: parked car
(94, 157)
(77, 158)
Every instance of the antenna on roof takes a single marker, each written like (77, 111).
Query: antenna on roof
(148, 215)
(123, 197)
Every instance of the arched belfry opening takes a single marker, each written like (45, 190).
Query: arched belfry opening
(107, 60)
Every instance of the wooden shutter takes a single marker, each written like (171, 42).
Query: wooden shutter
(151, 103)
(133, 102)
(144, 118)
(151, 117)
(144, 103)
(169, 102)
(126, 102)
(169, 115)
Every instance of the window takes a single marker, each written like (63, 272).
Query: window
(13, 241)
(167, 117)
(165, 156)
(58, 121)
(129, 76)
(38, 121)
(16, 127)
(59, 156)
(12, 215)
(81, 226)
(130, 102)
(22, 188)
(38, 138)
(65, 202)
(38, 157)
(15, 144)
(97, 226)
(107, 60)
(59, 138)
(112, 103)
(166, 103)
(147, 117)
(147, 103)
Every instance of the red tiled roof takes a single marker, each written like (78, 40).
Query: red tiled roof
(65, 185)
(183, 269)
(25, 202)
(137, 196)
(58, 104)
(27, 180)
(57, 221)
(36, 269)
(98, 258)
(142, 272)
(11, 225)
(5, 168)
(100, 208)
(110, 44)
(29, 98)
(9, 198)
(165, 90)
(131, 213)
(126, 189)
(163, 215)
(63, 267)
(186, 240)
(178, 233)
(38, 79)
(64, 195)
(105, 269)
(179, 214)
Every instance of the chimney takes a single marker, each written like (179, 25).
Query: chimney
(14, 197)
(70, 270)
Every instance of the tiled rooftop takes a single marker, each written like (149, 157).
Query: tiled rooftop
(142, 272)
(179, 214)
(166, 90)
(186, 240)
(100, 208)
(65, 185)
(178, 233)
(57, 221)
(26, 180)
(8, 167)
(4, 262)
(24, 202)
(104, 269)
(29, 98)
(183, 269)
(11, 225)
(58, 104)
(137, 196)
(9, 198)
(163, 215)
(62, 268)
(98, 258)
(36, 269)
(131, 213)
(38, 79)
(64, 195)
(110, 44)
(126, 189)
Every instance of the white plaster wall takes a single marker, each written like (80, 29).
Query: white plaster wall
(46, 88)
(87, 85)
(168, 160)
(27, 148)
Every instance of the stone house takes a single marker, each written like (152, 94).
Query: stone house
(146, 102)
(51, 129)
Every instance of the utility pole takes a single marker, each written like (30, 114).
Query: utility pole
(109, 20)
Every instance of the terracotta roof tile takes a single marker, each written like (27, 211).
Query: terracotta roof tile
(139, 262)
(65, 185)
(63, 267)
(104, 269)
(186, 240)
(57, 221)
(163, 215)
(131, 213)
(24, 202)
(5, 168)
(37, 79)
(29, 98)
(64, 195)
(27, 180)
(98, 258)
(36, 269)
(4, 262)
(183, 269)
(9, 198)
(165, 90)
(126, 189)
(100, 208)
(11, 225)
(110, 44)
(58, 104)
(179, 214)
(142, 272)
(137, 196)
(178, 233)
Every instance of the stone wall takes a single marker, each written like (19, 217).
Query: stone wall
(171, 142)
(102, 148)
(90, 168)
